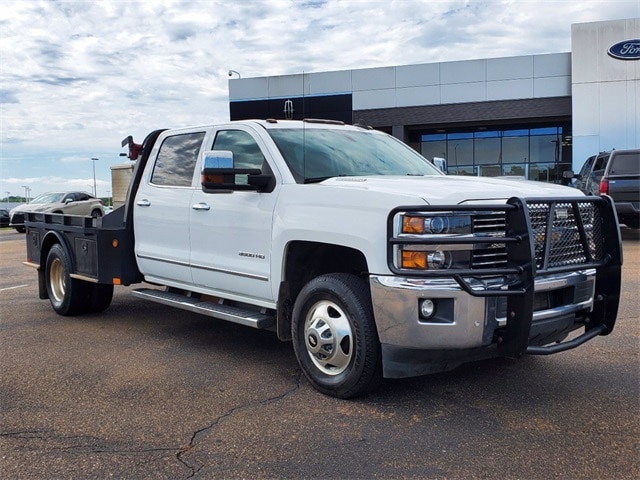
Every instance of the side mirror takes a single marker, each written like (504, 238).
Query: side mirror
(68, 201)
(567, 178)
(219, 174)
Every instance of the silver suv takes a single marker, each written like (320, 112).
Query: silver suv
(70, 203)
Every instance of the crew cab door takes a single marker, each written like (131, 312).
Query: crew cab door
(162, 208)
(231, 231)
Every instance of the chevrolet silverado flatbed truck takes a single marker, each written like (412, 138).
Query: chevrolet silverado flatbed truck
(348, 243)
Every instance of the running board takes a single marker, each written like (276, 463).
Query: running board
(242, 316)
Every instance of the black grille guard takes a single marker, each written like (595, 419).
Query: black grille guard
(521, 270)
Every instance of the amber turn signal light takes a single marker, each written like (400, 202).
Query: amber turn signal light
(414, 259)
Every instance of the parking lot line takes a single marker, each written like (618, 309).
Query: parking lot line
(13, 288)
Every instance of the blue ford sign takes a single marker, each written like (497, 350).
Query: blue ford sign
(626, 50)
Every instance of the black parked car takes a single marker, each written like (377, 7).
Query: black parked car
(4, 217)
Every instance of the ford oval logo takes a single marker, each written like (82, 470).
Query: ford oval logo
(626, 50)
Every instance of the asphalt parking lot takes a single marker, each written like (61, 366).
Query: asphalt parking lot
(145, 391)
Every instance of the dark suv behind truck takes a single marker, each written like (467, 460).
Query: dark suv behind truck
(617, 174)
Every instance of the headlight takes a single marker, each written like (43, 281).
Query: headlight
(434, 259)
(432, 226)
(444, 241)
(436, 224)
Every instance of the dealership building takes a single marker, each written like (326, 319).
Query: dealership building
(532, 115)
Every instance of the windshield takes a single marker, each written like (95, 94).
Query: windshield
(315, 154)
(48, 198)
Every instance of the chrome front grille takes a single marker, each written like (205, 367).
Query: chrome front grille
(493, 255)
(557, 243)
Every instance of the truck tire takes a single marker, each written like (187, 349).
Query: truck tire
(67, 295)
(100, 295)
(334, 336)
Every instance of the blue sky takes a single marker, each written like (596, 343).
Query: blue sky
(76, 77)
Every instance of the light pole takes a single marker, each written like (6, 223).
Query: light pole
(95, 190)
(26, 192)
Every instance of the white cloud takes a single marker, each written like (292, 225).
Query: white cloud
(77, 77)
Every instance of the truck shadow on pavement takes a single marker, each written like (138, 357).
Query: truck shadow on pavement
(194, 341)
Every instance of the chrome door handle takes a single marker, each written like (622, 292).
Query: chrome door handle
(143, 203)
(201, 206)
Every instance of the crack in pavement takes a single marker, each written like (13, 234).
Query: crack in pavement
(231, 412)
(25, 434)
(92, 444)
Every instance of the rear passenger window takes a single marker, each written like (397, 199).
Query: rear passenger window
(601, 162)
(586, 168)
(177, 160)
(625, 164)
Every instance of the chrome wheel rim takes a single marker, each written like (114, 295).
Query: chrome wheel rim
(57, 280)
(328, 337)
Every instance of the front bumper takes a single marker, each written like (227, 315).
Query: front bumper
(562, 272)
(627, 208)
(462, 320)
(465, 327)
(628, 213)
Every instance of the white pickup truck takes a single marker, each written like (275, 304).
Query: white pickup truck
(347, 242)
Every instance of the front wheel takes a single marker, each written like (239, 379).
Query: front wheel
(334, 336)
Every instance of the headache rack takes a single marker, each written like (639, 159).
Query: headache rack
(513, 243)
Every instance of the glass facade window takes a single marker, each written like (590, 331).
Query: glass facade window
(460, 152)
(542, 172)
(469, 171)
(487, 149)
(515, 170)
(534, 153)
(515, 149)
(544, 148)
(436, 146)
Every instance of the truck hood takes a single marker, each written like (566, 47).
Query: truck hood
(448, 190)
